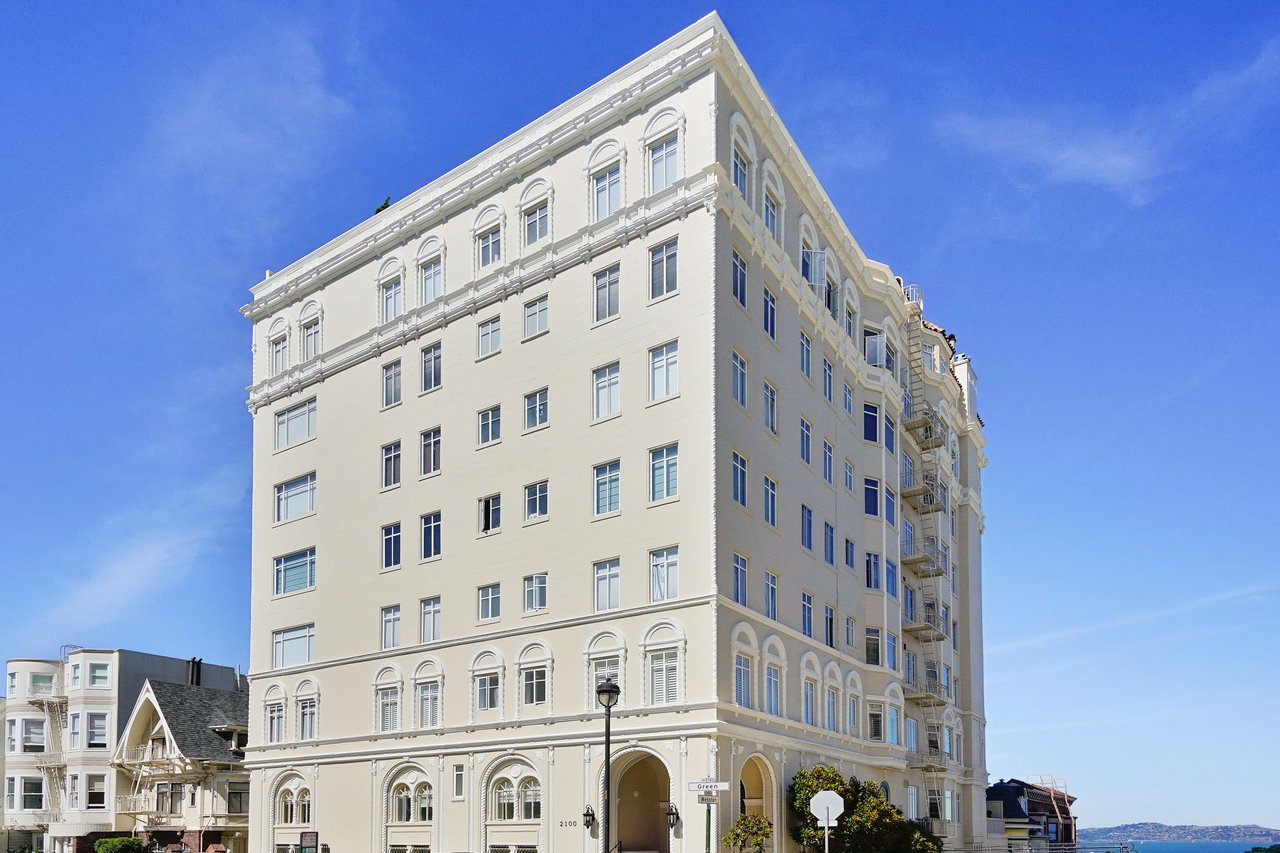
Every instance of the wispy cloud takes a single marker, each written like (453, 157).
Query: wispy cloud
(1133, 155)
(1129, 620)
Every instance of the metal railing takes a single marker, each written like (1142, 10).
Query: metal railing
(147, 753)
(53, 690)
(49, 759)
(926, 691)
(137, 804)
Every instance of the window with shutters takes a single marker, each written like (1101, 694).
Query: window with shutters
(388, 700)
(664, 676)
(807, 700)
(773, 690)
(875, 721)
(429, 704)
(742, 681)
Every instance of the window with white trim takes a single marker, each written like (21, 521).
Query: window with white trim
(392, 292)
(739, 474)
(773, 690)
(293, 646)
(664, 574)
(430, 630)
(432, 373)
(606, 293)
(390, 384)
(391, 464)
(388, 700)
(770, 501)
(664, 676)
(738, 374)
(606, 383)
(742, 680)
(535, 409)
(739, 579)
(607, 185)
(608, 581)
(489, 245)
(536, 222)
(489, 601)
(537, 315)
(489, 423)
(535, 500)
(295, 572)
(770, 408)
(296, 498)
(663, 164)
(662, 269)
(391, 545)
(739, 279)
(391, 626)
(608, 477)
(664, 371)
(664, 464)
(490, 336)
(295, 424)
(431, 280)
(535, 592)
(770, 313)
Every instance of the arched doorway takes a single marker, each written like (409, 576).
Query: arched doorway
(755, 790)
(642, 792)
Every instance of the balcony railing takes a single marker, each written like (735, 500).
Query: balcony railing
(928, 692)
(923, 556)
(927, 758)
(46, 692)
(924, 623)
(136, 804)
(50, 760)
(147, 754)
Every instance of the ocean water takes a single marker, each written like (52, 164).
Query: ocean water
(1195, 846)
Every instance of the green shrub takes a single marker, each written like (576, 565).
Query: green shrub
(117, 845)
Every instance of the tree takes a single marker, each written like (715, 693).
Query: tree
(869, 824)
(117, 845)
(749, 834)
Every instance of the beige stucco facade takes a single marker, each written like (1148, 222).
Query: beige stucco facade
(477, 728)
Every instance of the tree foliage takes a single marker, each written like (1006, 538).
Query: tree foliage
(869, 824)
(749, 834)
(117, 845)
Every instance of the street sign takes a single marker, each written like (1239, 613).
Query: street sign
(826, 806)
(309, 842)
(709, 799)
(708, 785)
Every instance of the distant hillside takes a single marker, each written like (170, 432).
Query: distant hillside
(1164, 832)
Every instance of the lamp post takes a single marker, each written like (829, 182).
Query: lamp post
(607, 693)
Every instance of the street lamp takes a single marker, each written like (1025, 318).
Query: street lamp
(607, 693)
(673, 815)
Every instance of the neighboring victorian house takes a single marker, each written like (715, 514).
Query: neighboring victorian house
(183, 751)
(1032, 815)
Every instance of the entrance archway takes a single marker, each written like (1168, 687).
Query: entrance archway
(642, 792)
(756, 790)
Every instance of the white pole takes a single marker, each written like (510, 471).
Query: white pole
(826, 832)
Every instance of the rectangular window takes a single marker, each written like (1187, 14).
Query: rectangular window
(310, 339)
(608, 191)
(295, 424)
(608, 583)
(279, 355)
(829, 543)
(873, 646)
(487, 696)
(664, 371)
(739, 479)
(806, 351)
(96, 728)
(870, 422)
(663, 677)
(296, 497)
(893, 735)
(606, 284)
(770, 408)
(458, 777)
(535, 409)
(75, 676)
(829, 626)
(489, 423)
(873, 571)
(608, 398)
(662, 269)
(306, 727)
(848, 475)
(891, 578)
(806, 441)
(770, 314)
(848, 323)
(913, 802)
(429, 705)
(535, 593)
(806, 614)
(770, 595)
(490, 337)
(99, 674)
(490, 601)
(535, 501)
(73, 792)
(431, 619)
(875, 721)
(535, 223)
(389, 709)
(739, 579)
(73, 733)
(870, 496)
(890, 507)
(430, 451)
(828, 462)
(664, 574)
(833, 709)
(770, 502)
(662, 164)
(890, 434)
(432, 374)
(534, 684)
(742, 681)
(852, 720)
(392, 299)
(739, 172)
(849, 552)
(293, 646)
(490, 245)
(828, 381)
(873, 347)
(391, 464)
(891, 652)
(773, 690)
(740, 279)
(33, 736)
(608, 488)
(490, 513)
(32, 793)
(738, 372)
(391, 627)
(390, 384)
(771, 215)
(848, 399)
(294, 572)
(536, 316)
(807, 700)
(431, 535)
(432, 280)
(664, 466)
(806, 527)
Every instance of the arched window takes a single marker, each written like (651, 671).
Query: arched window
(504, 800)
(423, 804)
(278, 348)
(286, 812)
(403, 803)
(530, 800)
(309, 330)
(304, 806)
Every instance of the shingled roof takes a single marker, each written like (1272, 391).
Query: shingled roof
(192, 713)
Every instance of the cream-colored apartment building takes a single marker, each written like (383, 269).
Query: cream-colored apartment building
(619, 397)
(63, 719)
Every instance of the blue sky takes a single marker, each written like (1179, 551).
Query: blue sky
(1087, 194)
